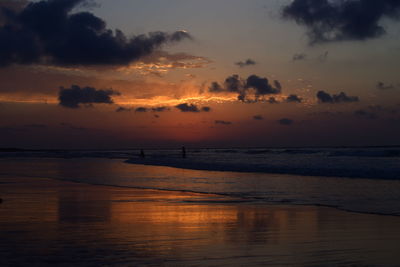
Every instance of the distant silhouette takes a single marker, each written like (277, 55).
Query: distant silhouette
(142, 153)
(1, 200)
(183, 152)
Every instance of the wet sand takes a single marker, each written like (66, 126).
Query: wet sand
(47, 222)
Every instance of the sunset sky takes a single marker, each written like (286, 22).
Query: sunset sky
(220, 73)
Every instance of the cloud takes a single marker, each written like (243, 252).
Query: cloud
(278, 87)
(48, 32)
(272, 100)
(262, 85)
(293, 99)
(206, 109)
(74, 96)
(221, 122)
(324, 97)
(187, 108)
(141, 109)
(375, 111)
(216, 88)
(252, 89)
(329, 21)
(233, 83)
(160, 109)
(14, 5)
(161, 62)
(123, 109)
(285, 121)
(383, 86)
(246, 63)
(299, 57)
(258, 117)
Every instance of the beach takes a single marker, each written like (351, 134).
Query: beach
(199, 133)
(47, 222)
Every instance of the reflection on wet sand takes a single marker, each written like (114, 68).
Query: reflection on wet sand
(48, 222)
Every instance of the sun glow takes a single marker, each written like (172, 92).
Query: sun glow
(167, 101)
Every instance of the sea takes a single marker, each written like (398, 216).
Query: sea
(357, 179)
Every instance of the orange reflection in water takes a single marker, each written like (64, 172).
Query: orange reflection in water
(45, 221)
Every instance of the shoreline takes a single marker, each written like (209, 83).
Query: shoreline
(230, 199)
(183, 163)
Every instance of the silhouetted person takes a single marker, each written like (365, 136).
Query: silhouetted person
(1, 200)
(183, 152)
(142, 153)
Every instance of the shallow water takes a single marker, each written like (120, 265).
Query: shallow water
(356, 162)
(52, 223)
(360, 195)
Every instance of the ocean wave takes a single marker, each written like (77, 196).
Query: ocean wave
(307, 166)
(367, 153)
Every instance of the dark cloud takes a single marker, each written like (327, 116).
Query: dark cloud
(299, 57)
(14, 5)
(233, 84)
(262, 85)
(342, 97)
(74, 96)
(383, 86)
(160, 109)
(206, 109)
(49, 32)
(293, 99)
(324, 97)
(272, 100)
(285, 121)
(376, 111)
(302, 56)
(187, 107)
(123, 109)
(278, 86)
(223, 122)
(216, 88)
(248, 62)
(328, 20)
(141, 109)
(371, 112)
(253, 89)
(258, 117)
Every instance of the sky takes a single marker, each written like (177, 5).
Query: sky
(222, 73)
